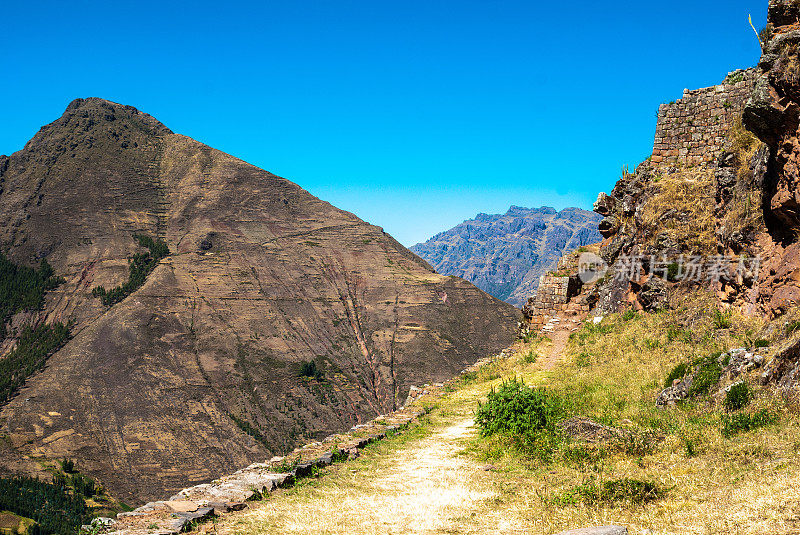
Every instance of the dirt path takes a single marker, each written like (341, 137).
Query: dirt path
(426, 486)
(559, 338)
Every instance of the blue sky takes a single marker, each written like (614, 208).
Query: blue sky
(414, 115)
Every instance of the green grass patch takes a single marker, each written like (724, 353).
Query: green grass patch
(742, 422)
(706, 375)
(611, 492)
(678, 372)
(738, 397)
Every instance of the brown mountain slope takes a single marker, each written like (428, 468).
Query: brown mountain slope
(196, 373)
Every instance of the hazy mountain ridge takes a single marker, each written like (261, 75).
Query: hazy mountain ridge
(505, 254)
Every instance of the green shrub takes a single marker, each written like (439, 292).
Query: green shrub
(706, 375)
(309, 369)
(738, 397)
(742, 422)
(68, 466)
(530, 357)
(678, 372)
(613, 491)
(629, 315)
(529, 416)
(760, 343)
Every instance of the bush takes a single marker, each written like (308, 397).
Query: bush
(742, 422)
(678, 372)
(529, 416)
(738, 397)
(706, 375)
(309, 369)
(68, 466)
(629, 315)
(760, 343)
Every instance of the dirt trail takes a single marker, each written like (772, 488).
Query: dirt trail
(426, 487)
(559, 338)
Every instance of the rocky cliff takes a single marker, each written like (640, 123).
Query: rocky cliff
(276, 318)
(720, 199)
(506, 254)
(691, 215)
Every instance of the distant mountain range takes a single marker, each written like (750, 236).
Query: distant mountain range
(505, 254)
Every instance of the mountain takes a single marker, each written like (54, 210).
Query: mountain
(219, 314)
(505, 255)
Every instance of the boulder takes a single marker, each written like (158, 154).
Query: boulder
(588, 430)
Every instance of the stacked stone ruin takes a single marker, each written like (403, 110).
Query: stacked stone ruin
(559, 293)
(692, 130)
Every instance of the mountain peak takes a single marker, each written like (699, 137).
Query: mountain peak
(94, 114)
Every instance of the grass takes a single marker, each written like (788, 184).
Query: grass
(612, 492)
(738, 397)
(673, 472)
(734, 424)
(743, 211)
(681, 208)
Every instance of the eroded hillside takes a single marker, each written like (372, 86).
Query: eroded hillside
(275, 319)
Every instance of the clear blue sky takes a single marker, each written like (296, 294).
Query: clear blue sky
(413, 114)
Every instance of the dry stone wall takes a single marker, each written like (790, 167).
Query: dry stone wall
(692, 130)
(552, 297)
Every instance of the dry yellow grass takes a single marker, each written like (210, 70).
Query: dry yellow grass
(682, 208)
(430, 479)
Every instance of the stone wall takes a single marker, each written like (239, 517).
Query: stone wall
(552, 296)
(692, 130)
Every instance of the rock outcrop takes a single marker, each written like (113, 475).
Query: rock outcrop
(505, 255)
(198, 372)
(688, 215)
